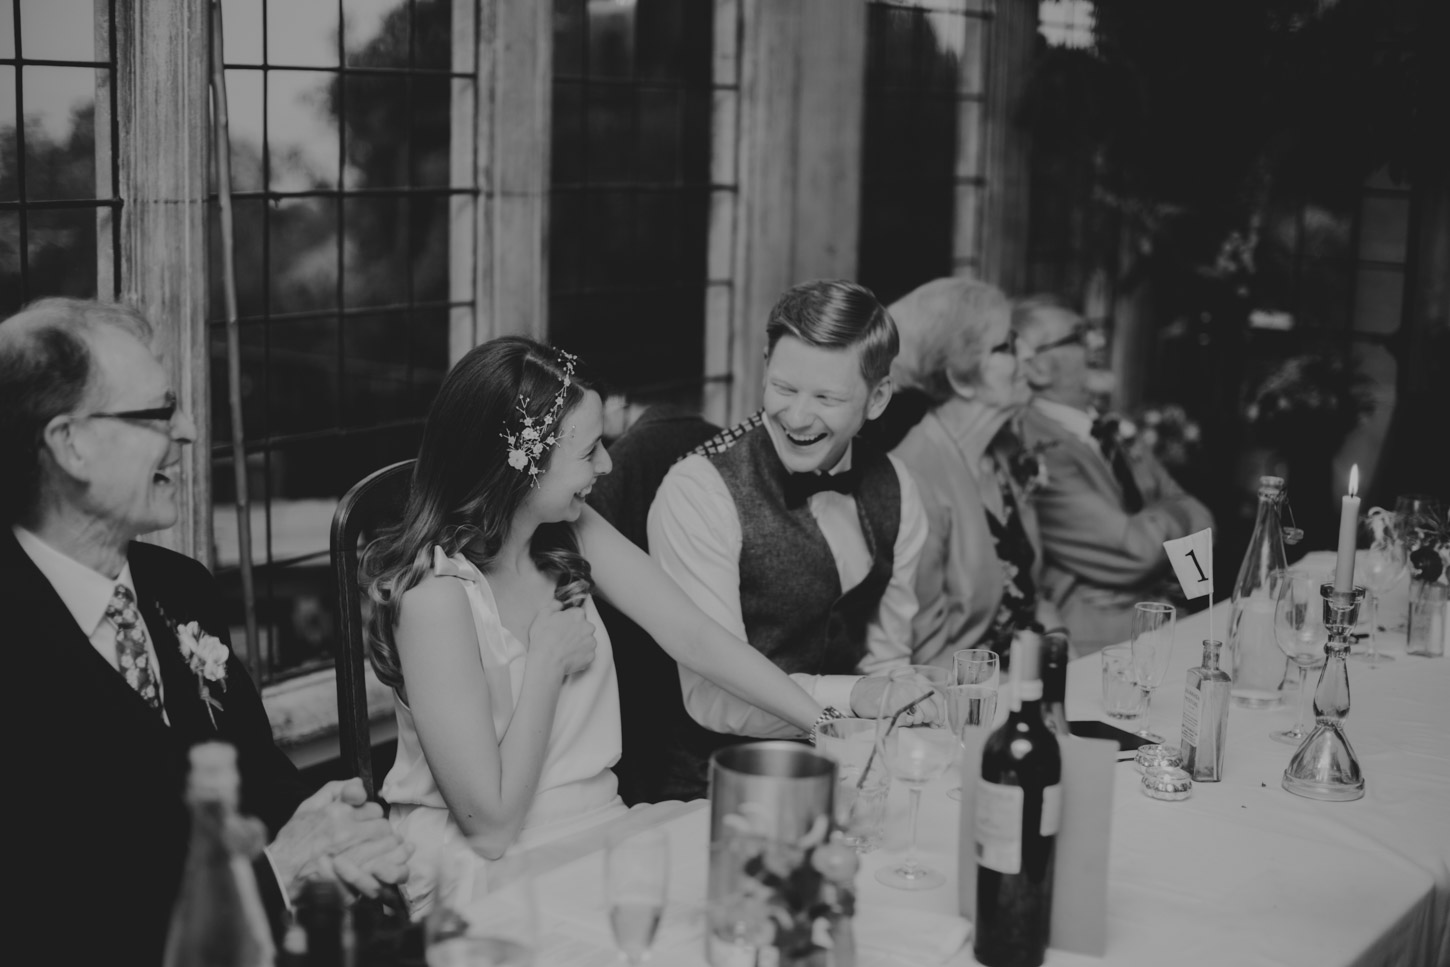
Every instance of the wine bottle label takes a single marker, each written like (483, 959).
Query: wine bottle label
(1051, 811)
(999, 826)
(1191, 699)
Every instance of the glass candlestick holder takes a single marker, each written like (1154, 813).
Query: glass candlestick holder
(1325, 766)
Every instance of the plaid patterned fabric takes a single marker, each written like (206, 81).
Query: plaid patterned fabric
(727, 438)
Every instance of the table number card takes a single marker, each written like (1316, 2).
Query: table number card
(1080, 878)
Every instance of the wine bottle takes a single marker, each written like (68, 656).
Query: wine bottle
(322, 912)
(1205, 716)
(218, 920)
(1054, 683)
(1019, 810)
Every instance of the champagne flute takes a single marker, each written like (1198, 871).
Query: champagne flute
(1154, 626)
(915, 741)
(972, 698)
(1300, 633)
(483, 913)
(636, 880)
(1385, 563)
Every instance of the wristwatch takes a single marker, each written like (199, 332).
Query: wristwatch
(828, 714)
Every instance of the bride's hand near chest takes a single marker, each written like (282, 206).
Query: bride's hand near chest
(562, 636)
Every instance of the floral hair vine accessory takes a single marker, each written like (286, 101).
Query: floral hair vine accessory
(527, 445)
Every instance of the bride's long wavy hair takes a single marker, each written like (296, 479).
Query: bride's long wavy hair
(464, 494)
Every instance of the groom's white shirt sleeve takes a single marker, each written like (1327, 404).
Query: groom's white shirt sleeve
(695, 536)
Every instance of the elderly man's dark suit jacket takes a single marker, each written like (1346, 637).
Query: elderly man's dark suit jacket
(95, 779)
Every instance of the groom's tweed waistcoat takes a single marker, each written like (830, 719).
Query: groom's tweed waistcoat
(790, 589)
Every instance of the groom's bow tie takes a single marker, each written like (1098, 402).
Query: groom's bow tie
(800, 486)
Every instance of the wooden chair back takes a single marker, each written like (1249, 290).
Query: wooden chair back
(373, 503)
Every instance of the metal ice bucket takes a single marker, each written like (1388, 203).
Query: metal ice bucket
(777, 791)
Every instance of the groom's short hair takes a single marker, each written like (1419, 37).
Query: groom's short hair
(46, 368)
(835, 314)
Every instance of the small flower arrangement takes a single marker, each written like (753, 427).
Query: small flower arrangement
(1168, 433)
(1026, 465)
(1427, 542)
(207, 657)
(1311, 397)
(794, 897)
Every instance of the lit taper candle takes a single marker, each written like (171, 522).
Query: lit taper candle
(1348, 525)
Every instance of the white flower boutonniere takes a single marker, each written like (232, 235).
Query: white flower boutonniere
(206, 656)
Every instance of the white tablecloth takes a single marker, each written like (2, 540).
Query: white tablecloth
(1242, 873)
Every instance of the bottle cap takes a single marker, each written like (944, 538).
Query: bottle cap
(1167, 783)
(1271, 486)
(1157, 757)
(213, 772)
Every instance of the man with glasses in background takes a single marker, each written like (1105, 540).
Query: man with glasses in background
(103, 700)
(1108, 504)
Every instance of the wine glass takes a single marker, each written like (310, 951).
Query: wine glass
(1300, 632)
(483, 913)
(1385, 563)
(915, 741)
(636, 880)
(1154, 626)
(972, 697)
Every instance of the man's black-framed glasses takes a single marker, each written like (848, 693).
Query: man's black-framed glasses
(162, 413)
(1078, 337)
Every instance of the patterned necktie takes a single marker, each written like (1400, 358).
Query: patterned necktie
(1105, 431)
(132, 657)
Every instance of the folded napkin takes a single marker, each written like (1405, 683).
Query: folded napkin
(910, 936)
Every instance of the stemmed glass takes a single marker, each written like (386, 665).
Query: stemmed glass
(1385, 563)
(1300, 633)
(915, 741)
(1154, 626)
(636, 879)
(972, 697)
(483, 912)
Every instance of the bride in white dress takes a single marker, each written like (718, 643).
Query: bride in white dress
(483, 625)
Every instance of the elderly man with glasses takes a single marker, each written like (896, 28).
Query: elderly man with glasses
(103, 700)
(1107, 506)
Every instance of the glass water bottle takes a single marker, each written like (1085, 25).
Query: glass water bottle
(1257, 665)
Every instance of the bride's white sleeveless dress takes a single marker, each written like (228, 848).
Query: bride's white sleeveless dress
(576, 787)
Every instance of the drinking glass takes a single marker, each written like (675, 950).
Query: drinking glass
(972, 697)
(1300, 633)
(636, 880)
(862, 784)
(1385, 563)
(1419, 517)
(1154, 625)
(914, 739)
(483, 913)
(1122, 698)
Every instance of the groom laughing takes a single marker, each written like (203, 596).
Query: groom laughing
(793, 534)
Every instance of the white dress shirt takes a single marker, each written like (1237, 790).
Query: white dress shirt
(86, 594)
(695, 535)
(1075, 421)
